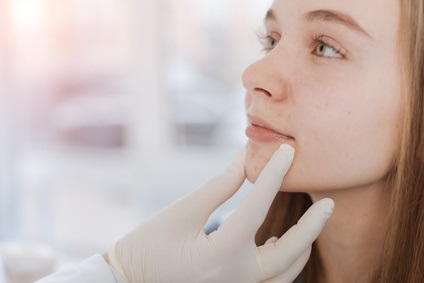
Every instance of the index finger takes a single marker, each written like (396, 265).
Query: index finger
(252, 212)
(280, 256)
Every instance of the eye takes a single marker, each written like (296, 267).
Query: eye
(268, 41)
(271, 42)
(322, 48)
(326, 51)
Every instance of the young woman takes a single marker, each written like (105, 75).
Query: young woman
(343, 83)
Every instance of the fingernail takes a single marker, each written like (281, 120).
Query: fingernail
(287, 151)
(328, 207)
(285, 155)
(286, 147)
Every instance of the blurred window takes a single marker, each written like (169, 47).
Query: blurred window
(112, 109)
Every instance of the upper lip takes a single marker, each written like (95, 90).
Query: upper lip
(259, 122)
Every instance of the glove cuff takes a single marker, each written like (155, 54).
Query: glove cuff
(114, 262)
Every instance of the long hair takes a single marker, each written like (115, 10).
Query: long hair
(401, 254)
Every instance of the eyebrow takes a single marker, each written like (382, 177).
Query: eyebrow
(327, 16)
(337, 17)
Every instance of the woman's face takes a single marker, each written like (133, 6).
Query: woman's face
(329, 85)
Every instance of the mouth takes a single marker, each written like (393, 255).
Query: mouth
(261, 131)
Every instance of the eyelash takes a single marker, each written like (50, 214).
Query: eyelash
(317, 40)
(320, 39)
(265, 40)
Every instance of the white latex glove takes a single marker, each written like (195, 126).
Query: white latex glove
(172, 246)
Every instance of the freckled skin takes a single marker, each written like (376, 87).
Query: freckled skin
(343, 113)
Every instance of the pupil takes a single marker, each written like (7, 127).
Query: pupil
(321, 48)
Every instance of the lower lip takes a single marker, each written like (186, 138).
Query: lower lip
(265, 135)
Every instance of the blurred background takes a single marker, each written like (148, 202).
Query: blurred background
(109, 111)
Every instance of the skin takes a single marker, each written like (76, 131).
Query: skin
(343, 111)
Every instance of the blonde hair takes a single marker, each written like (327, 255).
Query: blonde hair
(401, 257)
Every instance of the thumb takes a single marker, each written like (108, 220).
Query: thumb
(247, 218)
(203, 201)
(280, 256)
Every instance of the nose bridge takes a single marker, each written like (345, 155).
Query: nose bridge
(268, 76)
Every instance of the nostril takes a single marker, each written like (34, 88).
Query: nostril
(261, 90)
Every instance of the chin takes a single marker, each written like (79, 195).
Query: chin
(258, 155)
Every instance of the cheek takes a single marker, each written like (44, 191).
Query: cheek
(339, 144)
(346, 146)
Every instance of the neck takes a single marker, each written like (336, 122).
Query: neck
(350, 240)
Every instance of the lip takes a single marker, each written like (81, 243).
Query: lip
(261, 131)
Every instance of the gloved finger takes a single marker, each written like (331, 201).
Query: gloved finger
(246, 219)
(200, 204)
(278, 257)
(293, 271)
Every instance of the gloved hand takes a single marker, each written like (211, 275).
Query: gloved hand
(172, 246)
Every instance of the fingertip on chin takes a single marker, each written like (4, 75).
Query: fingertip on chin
(328, 207)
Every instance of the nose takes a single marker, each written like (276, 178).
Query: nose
(265, 79)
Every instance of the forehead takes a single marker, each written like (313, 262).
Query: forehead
(380, 18)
